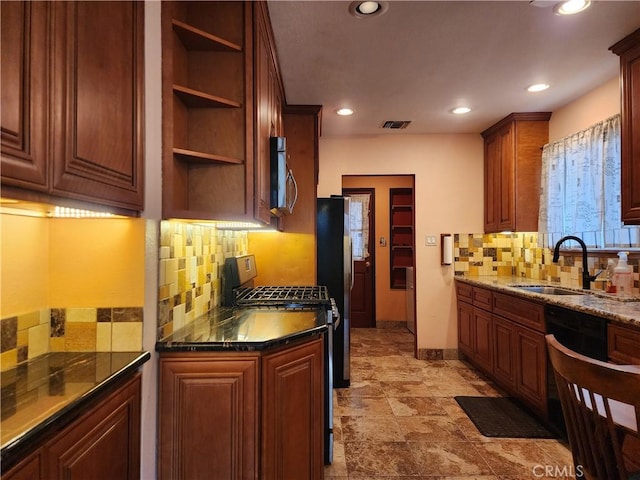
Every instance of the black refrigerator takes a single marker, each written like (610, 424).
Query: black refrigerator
(334, 270)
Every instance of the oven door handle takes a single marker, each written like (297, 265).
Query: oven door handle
(336, 314)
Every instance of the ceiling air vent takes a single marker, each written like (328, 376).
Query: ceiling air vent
(396, 124)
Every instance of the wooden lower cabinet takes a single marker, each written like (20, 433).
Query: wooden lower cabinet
(242, 415)
(503, 336)
(520, 362)
(624, 344)
(28, 469)
(531, 368)
(465, 331)
(475, 335)
(208, 420)
(292, 413)
(103, 443)
(504, 367)
(483, 339)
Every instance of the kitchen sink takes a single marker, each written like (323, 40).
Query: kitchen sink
(547, 290)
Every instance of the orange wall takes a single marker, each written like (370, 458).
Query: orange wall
(284, 258)
(96, 263)
(448, 191)
(24, 261)
(289, 257)
(390, 303)
(593, 107)
(70, 263)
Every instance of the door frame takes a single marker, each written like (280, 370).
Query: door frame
(346, 191)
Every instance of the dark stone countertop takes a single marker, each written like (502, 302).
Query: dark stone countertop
(244, 329)
(39, 394)
(591, 301)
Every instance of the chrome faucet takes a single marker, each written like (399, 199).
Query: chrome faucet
(586, 278)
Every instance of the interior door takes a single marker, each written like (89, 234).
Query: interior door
(362, 233)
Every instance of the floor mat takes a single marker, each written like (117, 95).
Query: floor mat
(502, 417)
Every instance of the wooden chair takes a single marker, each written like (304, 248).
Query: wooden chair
(599, 437)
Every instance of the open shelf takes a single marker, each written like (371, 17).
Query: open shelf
(199, 40)
(402, 235)
(192, 156)
(207, 58)
(195, 99)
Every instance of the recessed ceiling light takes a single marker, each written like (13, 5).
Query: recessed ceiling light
(460, 110)
(344, 112)
(571, 6)
(367, 8)
(537, 87)
(364, 9)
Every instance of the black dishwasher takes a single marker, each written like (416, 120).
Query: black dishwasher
(583, 333)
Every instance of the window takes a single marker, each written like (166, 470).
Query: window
(580, 189)
(359, 223)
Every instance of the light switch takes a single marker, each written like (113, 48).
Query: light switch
(383, 242)
(430, 240)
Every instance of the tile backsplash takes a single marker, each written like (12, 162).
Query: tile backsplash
(70, 285)
(27, 336)
(520, 254)
(190, 271)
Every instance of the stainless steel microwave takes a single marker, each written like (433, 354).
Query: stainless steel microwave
(284, 189)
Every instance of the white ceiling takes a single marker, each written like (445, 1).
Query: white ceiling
(419, 59)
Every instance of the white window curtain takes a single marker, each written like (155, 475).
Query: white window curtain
(359, 223)
(580, 189)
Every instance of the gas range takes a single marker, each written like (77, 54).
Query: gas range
(239, 292)
(282, 296)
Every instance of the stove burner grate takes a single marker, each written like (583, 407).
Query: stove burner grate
(282, 295)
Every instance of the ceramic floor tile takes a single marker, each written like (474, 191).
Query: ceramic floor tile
(399, 421)
(413, 406)
(451, 389)
(379, 459)
(449, 459)
(361, 406)
(405, 389)
(371, 429)
(513, 458)
(433, 428)
(391, 374)
(362, 388)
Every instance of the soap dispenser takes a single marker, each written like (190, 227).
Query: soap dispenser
(622, 275)
(610, 273)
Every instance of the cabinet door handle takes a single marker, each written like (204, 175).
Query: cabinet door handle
(295, 190)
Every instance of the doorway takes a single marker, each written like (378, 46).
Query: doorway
(362, 224)
(390, 304)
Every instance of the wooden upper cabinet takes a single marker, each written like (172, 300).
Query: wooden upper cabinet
(512, 156)
(25, 100)
(207, 93)
(629, 51)
(72, 102)
(222, 100)
(98, 81)
(268, 102)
